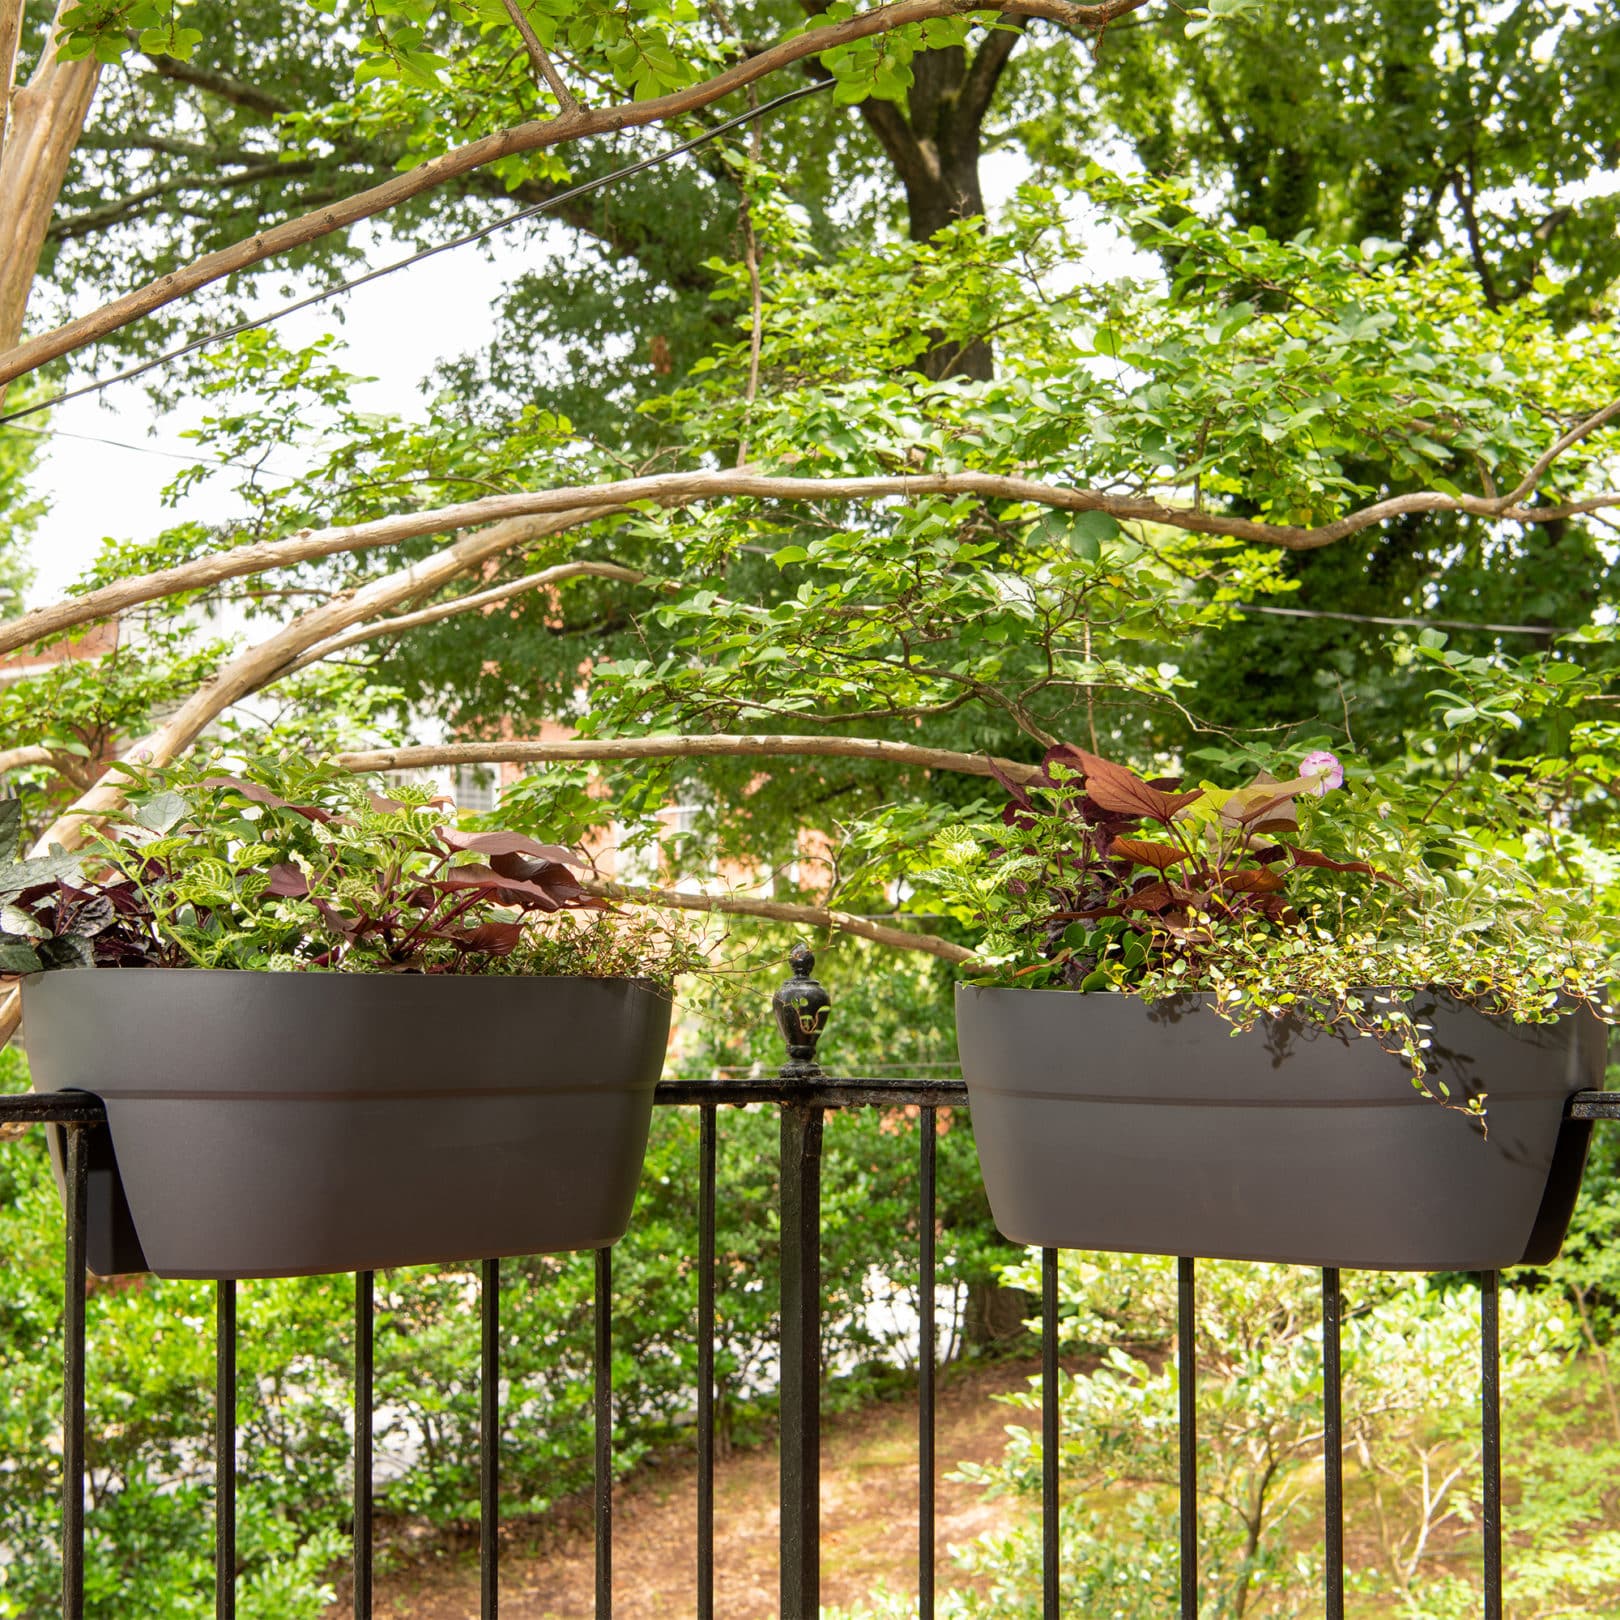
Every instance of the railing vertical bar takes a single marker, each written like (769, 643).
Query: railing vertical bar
(926, 1122)
(603, 1369)
(225, 1450)
(76, 1175)
(800, 1580)
(364, 1364)
(1187, 1374)
(1050, 1586)
(1490, 1348)
(489, 1441)
(707, 1174)
(1332, 1445)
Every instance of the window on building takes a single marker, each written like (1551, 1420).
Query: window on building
(476, 788)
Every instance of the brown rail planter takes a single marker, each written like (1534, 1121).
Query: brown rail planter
(1105, 1122)
(282, 1124)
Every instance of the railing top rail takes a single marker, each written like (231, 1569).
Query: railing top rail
(52, 1108)
(829, 1091)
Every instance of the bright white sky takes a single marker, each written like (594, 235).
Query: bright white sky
(443, 304)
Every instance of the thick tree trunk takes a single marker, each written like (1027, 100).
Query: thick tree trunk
(46, 119)
(935, 145)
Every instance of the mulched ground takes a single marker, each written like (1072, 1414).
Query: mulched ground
(868, 1511)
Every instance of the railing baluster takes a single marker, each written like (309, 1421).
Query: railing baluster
(801, 1362)
(225, 1450)
(1050, 1585)
(364, 1364)
(604, 1434)
(707, 1171)
(1187, 1372)
(1490, 1430)
(1332, 1446)
(76, 1176)
(926, 1123)
(489, 1441)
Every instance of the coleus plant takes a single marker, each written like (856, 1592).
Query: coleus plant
(1115, 874)
(292, 864)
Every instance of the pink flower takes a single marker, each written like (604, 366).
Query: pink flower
(1326, 770)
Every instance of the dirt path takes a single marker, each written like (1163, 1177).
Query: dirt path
(868, 1509)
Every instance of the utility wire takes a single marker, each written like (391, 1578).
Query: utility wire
(584, 189)
(1415, 624)
(192, 460)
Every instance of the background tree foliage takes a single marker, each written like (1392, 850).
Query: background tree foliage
(1235, 284)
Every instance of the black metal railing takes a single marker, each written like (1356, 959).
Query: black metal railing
(803, 1095)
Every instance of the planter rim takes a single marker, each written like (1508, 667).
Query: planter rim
(340, 974)
(1567, 1005)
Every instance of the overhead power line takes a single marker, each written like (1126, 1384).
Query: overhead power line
(584, 189)
(1414, 624)
(190, 459)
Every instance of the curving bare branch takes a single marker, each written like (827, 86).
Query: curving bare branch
(732, 905)
(590, 501)
(713, 746)
(470, 603)
(255, 666)
(14, 759)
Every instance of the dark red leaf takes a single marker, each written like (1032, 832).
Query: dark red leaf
(546, 894)
(1247, 880)
(1311, 857)
(1123, 792)
(1157, 897)
(1015, 790)
(492, 938)
(504, 843)
(273, 801)
(1159, 856)
(349, 927)
(551, 875)
(287, 882)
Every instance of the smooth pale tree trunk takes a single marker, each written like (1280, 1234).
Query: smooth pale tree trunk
(42, 126)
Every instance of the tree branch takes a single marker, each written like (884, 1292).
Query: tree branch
(590, 501)
(252, 668)
(112, 213)
(505, 752)
(842, 922)
(530, 137)
(236, 91)
(463, 604)
(1568, 441)
(11, 19)
(985, 70)
(541, 58)
(12, 759)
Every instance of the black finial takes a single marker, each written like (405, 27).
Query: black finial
(801, 1006)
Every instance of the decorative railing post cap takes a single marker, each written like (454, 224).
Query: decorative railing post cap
(801, 1006)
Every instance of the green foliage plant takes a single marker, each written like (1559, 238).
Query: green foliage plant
(1097, 879)
(294, 865)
